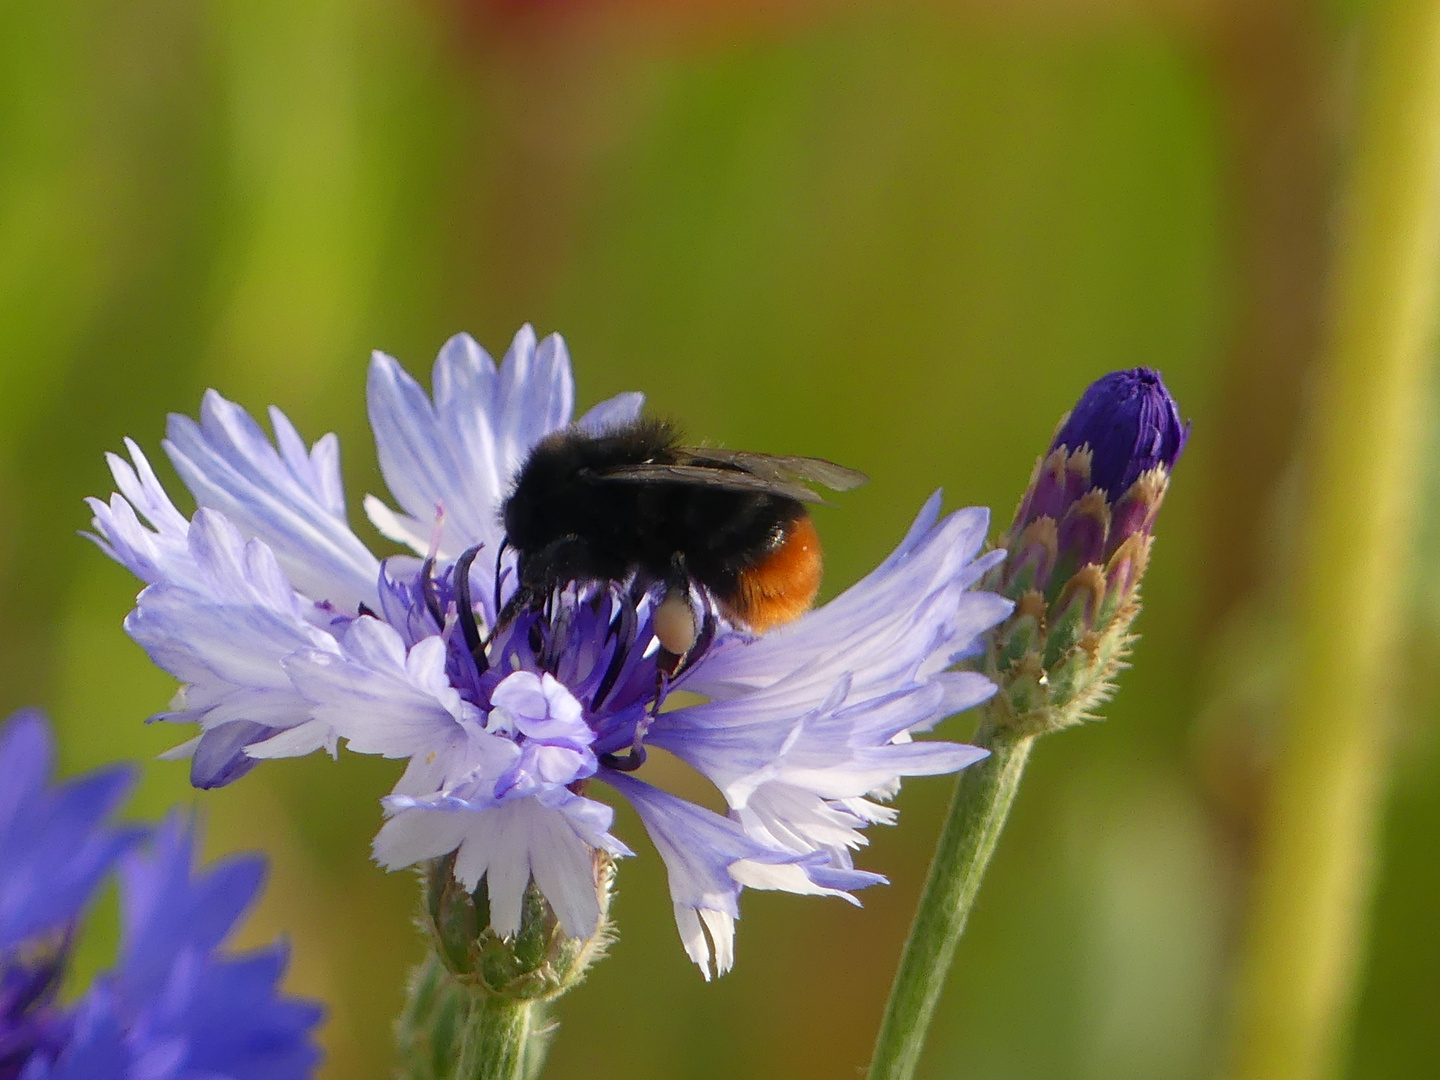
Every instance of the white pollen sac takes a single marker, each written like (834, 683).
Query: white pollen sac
(675, 623)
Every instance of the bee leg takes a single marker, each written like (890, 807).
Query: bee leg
(675, 629)
(635, 756)
(520, 600)
(536, 571)
(499, 559)
(632, 759)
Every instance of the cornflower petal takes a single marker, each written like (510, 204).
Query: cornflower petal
(700, 849)
(291, 499)
(168, 913)
(383, 699)
(379, 696)
(507, 843)
(788, 746)
(55, 845)
(96, 1048)
(225, 635)
(457, 454)
(174, 1006)
(160, 552)
(189, 1009)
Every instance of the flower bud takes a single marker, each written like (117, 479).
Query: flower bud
(464, 994)
(1131, 425)
(539, 962)
(1079, 545)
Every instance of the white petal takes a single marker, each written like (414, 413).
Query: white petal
(412, 836)
(612, 413)
(722, 937)
(289, 499)
(392, 526)
(376, 697)
(298, 741)
(692, 937)
(786, 877)
(460, 451)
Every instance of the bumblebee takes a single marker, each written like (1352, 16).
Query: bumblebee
(635, 502)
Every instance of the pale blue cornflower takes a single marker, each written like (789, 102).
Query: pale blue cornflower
(175, 1006)
(289, 635)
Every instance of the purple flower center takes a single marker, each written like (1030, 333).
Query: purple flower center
(574, 683)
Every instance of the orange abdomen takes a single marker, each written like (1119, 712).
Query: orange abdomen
(783, 585)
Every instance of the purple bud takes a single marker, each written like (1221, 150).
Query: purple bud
(1131, 424)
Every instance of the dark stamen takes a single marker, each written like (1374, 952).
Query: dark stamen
(468, 627)
(623, 631)
(365, 610)
(427, 589)
(559, 636)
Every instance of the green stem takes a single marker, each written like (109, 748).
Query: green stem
(497, 1040)
(983, 796)
(448, 1031)
(1315, 863)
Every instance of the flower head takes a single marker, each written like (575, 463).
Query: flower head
(1079, 544)
(290, 637)
(175, 1007)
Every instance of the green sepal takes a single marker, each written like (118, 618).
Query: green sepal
(1075, 612)
(1018, 636)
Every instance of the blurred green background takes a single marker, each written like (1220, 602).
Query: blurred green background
(900, 235)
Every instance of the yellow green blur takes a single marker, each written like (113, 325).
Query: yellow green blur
(900, 235)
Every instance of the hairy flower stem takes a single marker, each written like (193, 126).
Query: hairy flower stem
(497, 1040)
(981, 804)
(448, 1031)
(1316, 856)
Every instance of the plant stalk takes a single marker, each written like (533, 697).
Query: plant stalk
(497, 1040)
(449, 1031)
(981, 804)
(1315, 862)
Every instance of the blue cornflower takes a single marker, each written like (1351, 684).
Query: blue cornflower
(289, 635)
(173, 1008)
(56, 846)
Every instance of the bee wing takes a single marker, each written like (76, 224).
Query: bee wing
(706, 476)
(783, 468)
